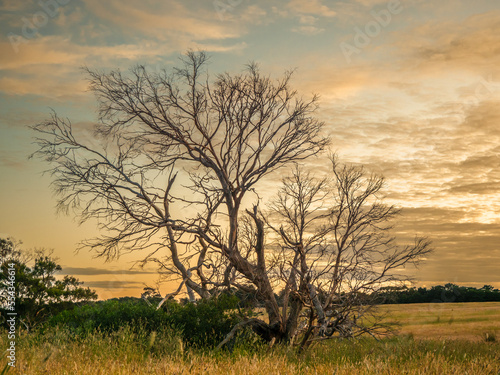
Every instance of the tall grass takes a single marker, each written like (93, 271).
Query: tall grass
(127, 351)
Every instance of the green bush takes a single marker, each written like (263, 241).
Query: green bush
(109, 316)
(201, 324)
(30, 287)
(207, 322)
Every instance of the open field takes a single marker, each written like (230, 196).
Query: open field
(434, 339)
(438, 321)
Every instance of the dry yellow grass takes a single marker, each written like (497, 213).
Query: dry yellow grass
(78, 362)
(53, 353)
(437, 321)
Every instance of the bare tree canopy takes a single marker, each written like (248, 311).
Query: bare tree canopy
(336, 251)
(178, 154)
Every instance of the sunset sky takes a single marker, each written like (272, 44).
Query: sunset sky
(410, 89)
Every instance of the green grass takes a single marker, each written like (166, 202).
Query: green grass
(58, 351)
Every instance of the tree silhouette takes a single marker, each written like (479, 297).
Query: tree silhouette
(176, 174)
(29, 285)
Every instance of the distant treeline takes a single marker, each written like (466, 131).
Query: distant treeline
(447, 293)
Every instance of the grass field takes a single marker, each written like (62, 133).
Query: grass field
(433, 339)
(467, 321)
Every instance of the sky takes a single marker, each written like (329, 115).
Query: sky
(409, 88)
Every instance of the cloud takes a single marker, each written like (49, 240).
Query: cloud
(8, 160)
(307, 20)
(437, 46)
(252, 15)
(164, 20)
(314, 7)
(464, 252)
(372, 3)
(307, 25)
(14, 6)
(483, 161)
(308, 30)
(477, 188)
(115, 284)
(102, 271)
(50, 66)
(482, 119)
(307, 15)
(45, 50)
(417, 126)
(418, 105)
(461, 272)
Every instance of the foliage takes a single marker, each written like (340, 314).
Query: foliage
(203, 324)
(33, 284)
(110, 316)
(207, 322)
(439, 293)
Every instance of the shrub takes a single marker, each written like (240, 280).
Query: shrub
(109, 316)
(207, 322)
(31, 287)
(201, 324)
(490, 337)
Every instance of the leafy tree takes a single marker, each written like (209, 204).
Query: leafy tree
(175, 173)
(439, 294)
(8, 248)
(35, 290)
(150, 293)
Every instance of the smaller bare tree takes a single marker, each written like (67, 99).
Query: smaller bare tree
(335, 253)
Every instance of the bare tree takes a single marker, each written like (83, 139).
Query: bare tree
(178, 155)
(226, 134)
(336, 252)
